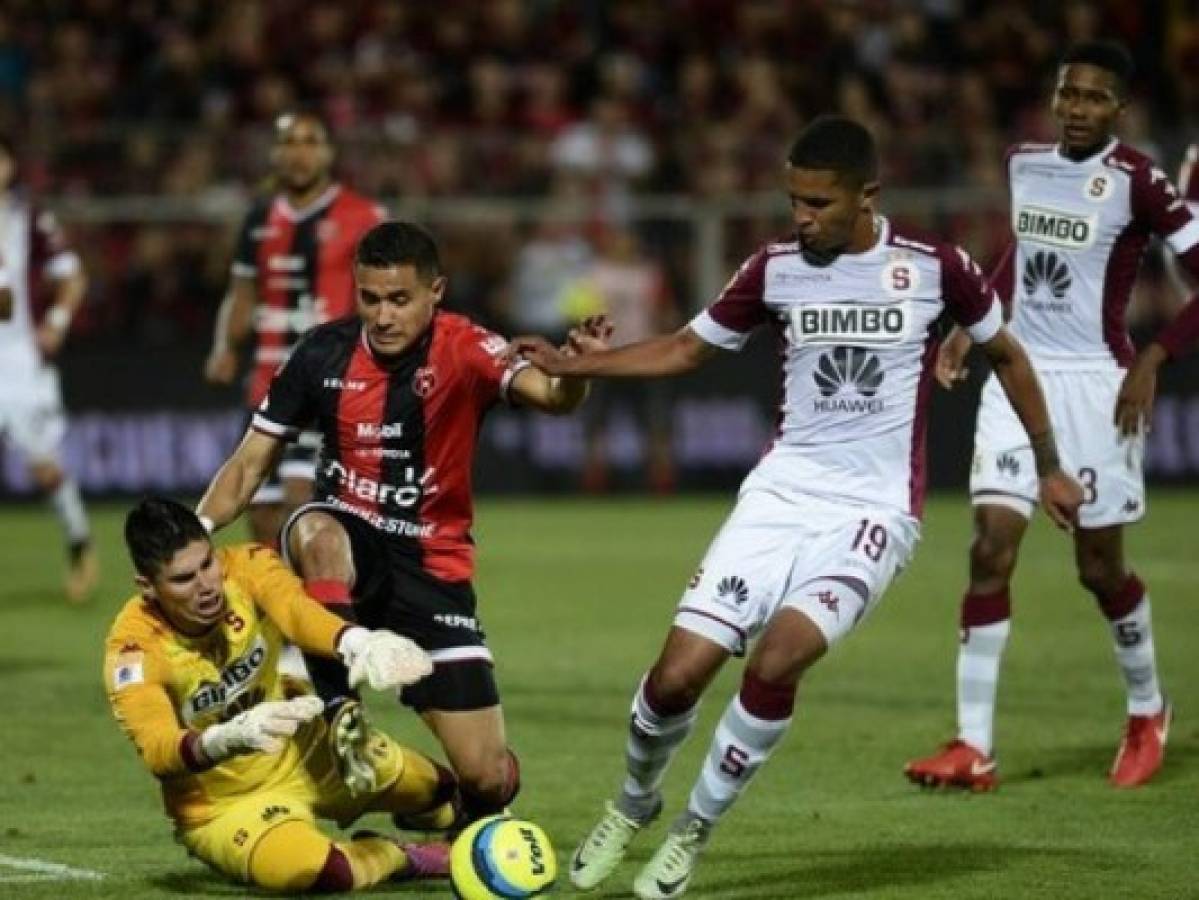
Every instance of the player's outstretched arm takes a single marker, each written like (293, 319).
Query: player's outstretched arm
(237, 480)
(234, 321)
(671, 354)
(1060, 494)
(379, 658)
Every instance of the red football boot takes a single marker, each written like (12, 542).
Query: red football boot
(957, 764)
(1143, 748)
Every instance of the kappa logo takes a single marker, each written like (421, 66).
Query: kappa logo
(424, 381)
(1131, 505)
(733, 587)
(1007, 465)
(846, 369)
(1046, 271)
(829, 601)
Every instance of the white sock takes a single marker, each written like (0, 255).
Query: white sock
(1133, 636)
(652, 744)
(741, 744)
(978, 679)
(68, 506)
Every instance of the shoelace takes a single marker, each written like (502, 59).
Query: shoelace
(684, 845)
(607, 826)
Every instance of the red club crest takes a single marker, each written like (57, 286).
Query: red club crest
(423, 381)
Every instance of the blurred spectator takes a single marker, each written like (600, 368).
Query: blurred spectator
(544, 295)
(633, 291)
(508, 97)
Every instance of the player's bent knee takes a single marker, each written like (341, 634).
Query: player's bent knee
(1101, 580)
(675, 688)
(293, 856)
(992, 557)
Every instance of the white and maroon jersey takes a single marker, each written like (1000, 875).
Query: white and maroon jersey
(1081, 229)
(399, 436)
(859, 338)
(32, 246)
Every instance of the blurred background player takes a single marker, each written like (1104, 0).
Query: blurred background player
(239, 748)
(632, 290)
(831, 514)
(292, 270)
(33, 247)
(1083, 210)
(1188, 186)
(398, 394)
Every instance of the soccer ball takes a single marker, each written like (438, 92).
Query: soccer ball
(502, 858)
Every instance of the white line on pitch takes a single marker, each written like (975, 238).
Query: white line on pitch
(44, 870)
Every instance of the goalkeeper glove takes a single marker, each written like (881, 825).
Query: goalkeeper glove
(382, 659)
(264, 728)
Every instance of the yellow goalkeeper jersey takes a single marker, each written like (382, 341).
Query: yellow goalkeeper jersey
(162, 684)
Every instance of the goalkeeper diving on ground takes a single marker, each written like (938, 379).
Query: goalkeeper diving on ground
(242, 753)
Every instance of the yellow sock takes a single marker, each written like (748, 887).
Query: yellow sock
(373, 859)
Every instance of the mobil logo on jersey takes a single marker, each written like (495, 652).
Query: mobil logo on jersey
(1055, 227)
(850, 323)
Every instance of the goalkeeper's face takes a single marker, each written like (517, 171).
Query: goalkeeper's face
(188, 589)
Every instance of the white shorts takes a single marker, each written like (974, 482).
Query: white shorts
(773, 545)
(32, 416)
(1081, 406)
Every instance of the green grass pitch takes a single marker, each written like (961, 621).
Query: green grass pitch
(576, 595)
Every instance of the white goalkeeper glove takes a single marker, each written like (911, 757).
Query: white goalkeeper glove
(382, 659)
(264, 728)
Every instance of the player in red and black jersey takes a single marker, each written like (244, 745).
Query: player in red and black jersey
(291, 270)
(397, 394)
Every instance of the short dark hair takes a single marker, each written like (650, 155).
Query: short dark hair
(839, 144)
(399, 244)
(285, 120)
(1111, 56)
(156, 529)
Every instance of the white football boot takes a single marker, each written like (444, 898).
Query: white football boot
(669, 871)
(602, 850)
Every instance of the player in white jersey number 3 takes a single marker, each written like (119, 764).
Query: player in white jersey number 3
(832, 512)
(1083, 211)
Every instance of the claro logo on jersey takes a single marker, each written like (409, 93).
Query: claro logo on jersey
(404, 495)
(1054, 227)
(213, 698)
(838, 324)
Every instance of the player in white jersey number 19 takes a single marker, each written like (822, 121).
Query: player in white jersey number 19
(830, 515)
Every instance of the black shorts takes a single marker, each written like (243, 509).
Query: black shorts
(391, 590)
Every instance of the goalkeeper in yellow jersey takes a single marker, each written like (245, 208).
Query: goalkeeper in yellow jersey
(241, 750)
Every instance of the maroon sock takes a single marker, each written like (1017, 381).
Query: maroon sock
(986, 609)
(766, 700)
(1125, 600)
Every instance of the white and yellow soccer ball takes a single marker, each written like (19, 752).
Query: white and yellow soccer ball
(502, 858)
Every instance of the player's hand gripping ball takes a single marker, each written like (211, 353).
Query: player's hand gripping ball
(502, 857)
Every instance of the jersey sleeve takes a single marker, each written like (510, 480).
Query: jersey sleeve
(134, 679)
(245, 252)
(1188, 178)
(280, 594)
(1157, 203)
(483, 353)
(1003, 277)
(968, 296)
(728, 322)
(289, 404)
(50, 249)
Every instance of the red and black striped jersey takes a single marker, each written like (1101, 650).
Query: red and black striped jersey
(301, 262)
(399, 434)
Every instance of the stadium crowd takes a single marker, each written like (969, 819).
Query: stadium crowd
(527, 99)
